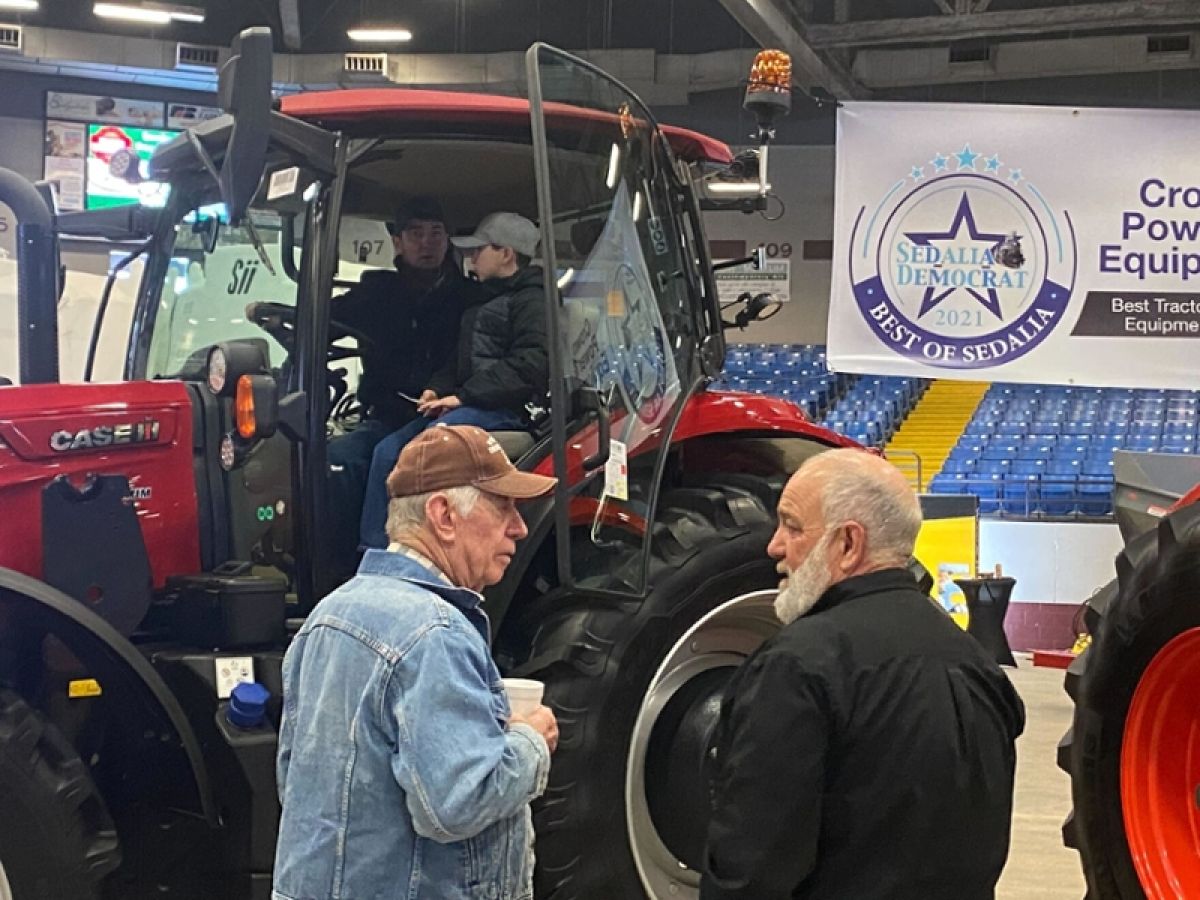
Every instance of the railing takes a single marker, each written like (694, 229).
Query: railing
(909, 462)
(1024, 498)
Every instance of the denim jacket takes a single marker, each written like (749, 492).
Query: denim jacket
(397, 772)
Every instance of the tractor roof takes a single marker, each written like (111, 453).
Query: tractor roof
(366, 109)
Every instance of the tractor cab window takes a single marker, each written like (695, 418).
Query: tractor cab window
(217, 277)
(627, 324)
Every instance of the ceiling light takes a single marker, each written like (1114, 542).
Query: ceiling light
(27, 5)
(150, 14)
(132, 13)
(186, 15)
(379, 35)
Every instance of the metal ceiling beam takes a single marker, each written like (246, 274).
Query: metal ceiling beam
(1125, 14)
(771, 24)
(289, 16)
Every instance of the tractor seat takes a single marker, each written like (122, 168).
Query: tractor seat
(515, 443)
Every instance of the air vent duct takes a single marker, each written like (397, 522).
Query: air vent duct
(10, 38)
(365, 65)
(197, 57)
(1172, 44)
(962, 52)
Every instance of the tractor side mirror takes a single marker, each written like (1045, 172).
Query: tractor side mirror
(244, 91)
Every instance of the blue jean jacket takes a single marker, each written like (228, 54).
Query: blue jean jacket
(398, 774)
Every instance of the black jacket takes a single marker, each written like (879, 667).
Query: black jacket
(413, 335)
(864, 752)
(502, 360)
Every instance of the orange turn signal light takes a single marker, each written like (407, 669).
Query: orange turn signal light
(243, 402)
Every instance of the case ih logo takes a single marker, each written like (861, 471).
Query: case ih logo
(142, 432)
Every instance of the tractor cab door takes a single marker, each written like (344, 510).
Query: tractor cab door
(623, 322)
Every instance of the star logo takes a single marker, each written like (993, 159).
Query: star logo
(939, 163)
(966, 159)
(949, 239)
(918, 172)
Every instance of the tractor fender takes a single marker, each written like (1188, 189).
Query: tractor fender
(81, 629)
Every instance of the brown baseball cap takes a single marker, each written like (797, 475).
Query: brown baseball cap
(447, 456)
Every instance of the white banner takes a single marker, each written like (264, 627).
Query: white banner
(1017, 243)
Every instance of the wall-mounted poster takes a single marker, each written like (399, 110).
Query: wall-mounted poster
(63, 165)
(185, 115)
(101, 108)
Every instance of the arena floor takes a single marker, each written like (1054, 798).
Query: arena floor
(1039, 867)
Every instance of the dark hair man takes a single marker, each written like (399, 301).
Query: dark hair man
(502, 361)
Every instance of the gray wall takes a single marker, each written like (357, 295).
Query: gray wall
(802, 177)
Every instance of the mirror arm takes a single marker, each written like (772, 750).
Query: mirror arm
(202, 155)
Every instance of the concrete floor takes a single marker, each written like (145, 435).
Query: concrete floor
(1039, 867)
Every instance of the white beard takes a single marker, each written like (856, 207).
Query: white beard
(805, 585)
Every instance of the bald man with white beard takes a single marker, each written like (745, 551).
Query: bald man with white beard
(870, 738)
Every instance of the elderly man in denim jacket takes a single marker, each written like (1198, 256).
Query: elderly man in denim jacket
(402, 771)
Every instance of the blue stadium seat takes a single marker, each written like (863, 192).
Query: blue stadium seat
(1059, 495)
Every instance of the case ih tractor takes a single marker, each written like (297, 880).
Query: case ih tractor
(160, 537)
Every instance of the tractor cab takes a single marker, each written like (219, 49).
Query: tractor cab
(239, 299)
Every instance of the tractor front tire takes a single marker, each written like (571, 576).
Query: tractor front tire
(57, 841)
(636, 688)
(1131, 751)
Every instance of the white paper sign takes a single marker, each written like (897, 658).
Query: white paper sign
(283, 183)
(1029, 244)
(616, 471)
(775, 278)
(232, 671)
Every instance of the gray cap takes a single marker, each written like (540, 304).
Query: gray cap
(504, 229)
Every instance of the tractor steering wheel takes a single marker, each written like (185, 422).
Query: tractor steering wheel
(279, 321)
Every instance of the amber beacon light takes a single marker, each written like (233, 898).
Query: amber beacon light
(769, 91)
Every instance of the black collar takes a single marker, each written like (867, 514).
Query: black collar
(862, 585)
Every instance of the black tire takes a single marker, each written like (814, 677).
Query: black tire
(1155, 597)
(57, 841)
(598, 660)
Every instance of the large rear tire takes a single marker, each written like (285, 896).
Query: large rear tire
(57, 841)
(1133, 751)
(636, 688)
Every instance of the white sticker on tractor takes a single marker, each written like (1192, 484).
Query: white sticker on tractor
(283, 183)
(616, 471)
(232, 671)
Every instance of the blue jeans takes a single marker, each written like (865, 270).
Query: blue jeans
(349, 458)
(372, 529)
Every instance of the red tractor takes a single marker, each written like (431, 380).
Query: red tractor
(162, 536)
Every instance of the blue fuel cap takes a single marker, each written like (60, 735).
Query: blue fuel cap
(248, 704)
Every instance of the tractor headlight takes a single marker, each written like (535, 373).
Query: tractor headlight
(218, 370)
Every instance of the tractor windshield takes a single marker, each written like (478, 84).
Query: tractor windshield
(214, 274)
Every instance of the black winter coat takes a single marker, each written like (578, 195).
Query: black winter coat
(413, 335)
(502, 360)
(864, 752)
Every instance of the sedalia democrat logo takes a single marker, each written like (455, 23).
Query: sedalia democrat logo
(963, 263)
